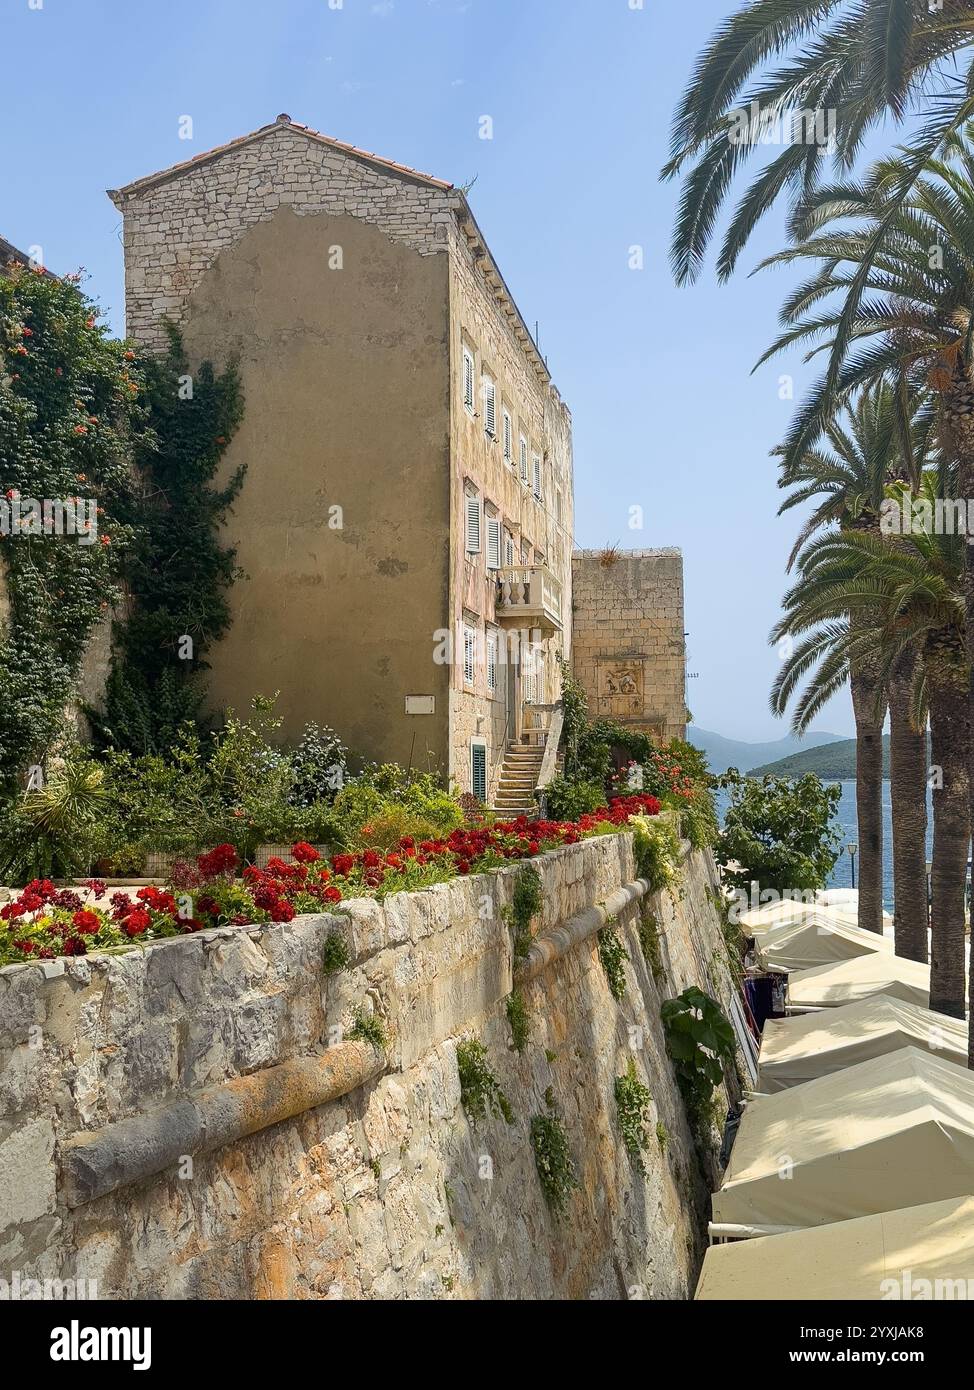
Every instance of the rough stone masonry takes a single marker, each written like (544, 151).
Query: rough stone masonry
(192, 1120)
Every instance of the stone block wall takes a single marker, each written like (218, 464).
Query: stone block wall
(193, 1121)
(628, 647)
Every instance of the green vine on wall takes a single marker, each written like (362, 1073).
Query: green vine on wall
(71, 410)
(633, 1100)
(178, 572)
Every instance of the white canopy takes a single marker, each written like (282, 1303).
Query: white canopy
(788, 910)
(899, 1253)
(817, 940)
(888, 1133)
(827, 986)
(794, 1050)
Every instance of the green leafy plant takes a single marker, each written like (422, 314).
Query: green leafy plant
(566, 800)
(613, 957)
(368, 1028)
(700, 1040)
(517, 1017)
(178, 572)
(649, 940)
(662, 1135)
(656, 843)
(526, 902)
(72, 409)
(336, 954)
(633, 1100)
(554, 1162)
(778, 831)
(47, 834)
(480, 1093)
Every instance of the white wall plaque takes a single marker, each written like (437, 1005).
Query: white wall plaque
(420, 704)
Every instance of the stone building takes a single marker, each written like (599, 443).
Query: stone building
(405, 523)
(629, 651)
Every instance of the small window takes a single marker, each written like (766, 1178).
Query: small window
(473, 524)
(490, 408)
(491, 662)
(508, 438)
(493, 543)
(478, 770)
(468, 379)
(524, 459)
(469, 654)
(508, 549)
(537, 476)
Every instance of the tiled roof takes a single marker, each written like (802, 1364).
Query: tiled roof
(175, 170)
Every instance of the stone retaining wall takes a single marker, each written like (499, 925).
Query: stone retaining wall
(193, 1121)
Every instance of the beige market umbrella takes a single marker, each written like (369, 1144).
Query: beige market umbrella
(891, 1132)
(799, 1049)
(817, 940)
(845, 981)
(922, 1252)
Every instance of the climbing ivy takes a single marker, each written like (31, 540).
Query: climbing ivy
(613, 956)
(526, 902)
(700, 1040)
(633, 1100)
(517, 1017)
(71, 410)
(553, 1160)
(179, 572)
(480, 1092)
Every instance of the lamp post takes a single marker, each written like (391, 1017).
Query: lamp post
(853, 851)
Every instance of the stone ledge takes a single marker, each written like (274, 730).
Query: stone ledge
(551, 945)
(96, 1162)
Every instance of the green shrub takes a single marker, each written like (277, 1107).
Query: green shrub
(613, 956)
(48, 832)
(336, 954)
(633, 1100)
(480, 1093)
(662, 1135)
(517, 1017)
(553, 1160)
(525, 904)
(572, 800)
(369, 1028)
(656, 843)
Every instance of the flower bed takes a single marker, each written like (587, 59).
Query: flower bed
(46, 921)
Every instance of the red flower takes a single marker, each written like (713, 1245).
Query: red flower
(281, 912)
(86, 922)
(136, 922)
(305, 853)
(332, 894)
(343, 864)
(222, 860)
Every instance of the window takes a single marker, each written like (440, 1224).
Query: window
(469, 654)
(493, 543)
(491, 662)
(508, 548)
(478, 770)
(468, 379)
(508, 438)
(524, 459)
(473, 524)
(537, 476)
(490, 408)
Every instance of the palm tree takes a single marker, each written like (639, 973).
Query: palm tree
(850, 478)
(858, 593)
(860, 61)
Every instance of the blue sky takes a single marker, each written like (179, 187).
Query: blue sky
(581, 93)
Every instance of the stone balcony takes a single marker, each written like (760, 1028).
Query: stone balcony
(529, 596)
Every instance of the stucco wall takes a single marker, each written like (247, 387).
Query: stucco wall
(345, 389)
(629, 651)
(385, 1191)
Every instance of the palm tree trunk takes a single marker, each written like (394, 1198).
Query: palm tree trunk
(949, 742)
(908, 791)
(869, 798)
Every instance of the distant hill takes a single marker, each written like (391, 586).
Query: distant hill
(835, 762)
(723, 753)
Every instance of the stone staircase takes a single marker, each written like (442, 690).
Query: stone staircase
(519, 777)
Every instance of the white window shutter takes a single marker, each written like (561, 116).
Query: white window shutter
(490, 409)
(473, 525)
(468, 379)
(524, 458)
(491, 662)
(493, 543)
(508, 438)
(537, 476)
